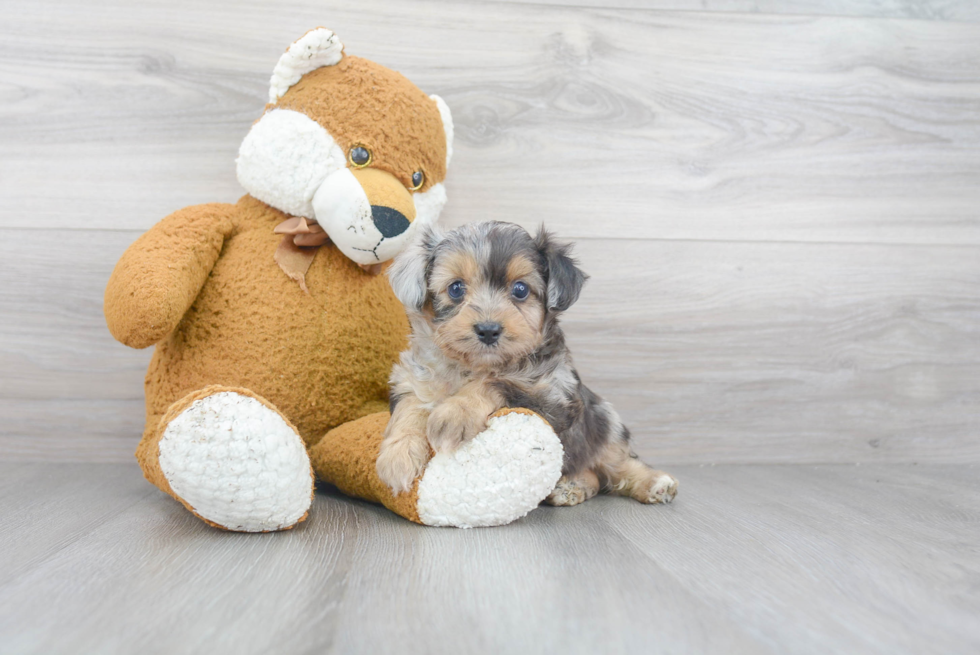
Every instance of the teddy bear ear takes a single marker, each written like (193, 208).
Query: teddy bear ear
(447, 125)
(317, 48)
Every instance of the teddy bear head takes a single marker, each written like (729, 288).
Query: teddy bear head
(349, 144)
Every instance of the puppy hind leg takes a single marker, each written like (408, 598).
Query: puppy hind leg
(574, 489)
(622, 473)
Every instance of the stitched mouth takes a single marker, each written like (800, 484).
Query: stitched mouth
(374, 250)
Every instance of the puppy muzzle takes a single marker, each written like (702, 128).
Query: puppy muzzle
(488, 332)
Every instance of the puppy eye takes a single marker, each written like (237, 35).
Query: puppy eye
(520, 290)
(359, 156)
(418, 178)
(456, 290)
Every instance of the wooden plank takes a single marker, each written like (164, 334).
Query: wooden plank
(869, 559)
(354, 578)
(940, 10)
(65, 430)
(712, 352)
(55, 340)
(679, 125)
(47, 507)
(748, 559)
(68, 390)
(784, 352)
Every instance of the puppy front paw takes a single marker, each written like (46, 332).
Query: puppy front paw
(451, 424)
(401, 462)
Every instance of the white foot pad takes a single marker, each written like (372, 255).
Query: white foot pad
(498, 477)
(237, 463)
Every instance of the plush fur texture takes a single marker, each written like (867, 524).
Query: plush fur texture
(296, 156)
(359, 102)
(317, 48)
(236, 320)
(237, 463)
(204, 451)
(204, 287)
(484, 302)
(498, 477)
(346, 458)
(285, 158)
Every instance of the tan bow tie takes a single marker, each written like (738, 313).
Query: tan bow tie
(302, 237)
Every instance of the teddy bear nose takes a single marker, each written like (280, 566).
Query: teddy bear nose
(488, 333)
(390, 222)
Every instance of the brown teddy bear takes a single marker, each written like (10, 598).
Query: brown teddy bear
(274, 332)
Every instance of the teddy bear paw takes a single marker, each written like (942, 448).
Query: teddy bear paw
(236, 463)
(499, 476)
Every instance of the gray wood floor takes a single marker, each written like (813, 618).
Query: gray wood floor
(750, 559)
(779, 205)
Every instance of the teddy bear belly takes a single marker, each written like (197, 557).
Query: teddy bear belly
(322, 358)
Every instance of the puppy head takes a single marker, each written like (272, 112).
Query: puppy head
(486, 290)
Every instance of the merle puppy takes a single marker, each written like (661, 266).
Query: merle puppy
(483, 302)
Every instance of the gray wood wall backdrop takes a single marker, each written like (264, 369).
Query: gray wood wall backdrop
(779, 202)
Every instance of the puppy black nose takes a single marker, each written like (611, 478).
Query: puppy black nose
(488, 333)
(390, 222)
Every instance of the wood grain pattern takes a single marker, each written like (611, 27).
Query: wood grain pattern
(789, 352)
(941, 10)
(712, 352)
(626, 123)
(48, 508)
(756, 146)
(799, 541)
(753, 559)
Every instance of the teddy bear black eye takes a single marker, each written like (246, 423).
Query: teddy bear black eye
(456, 290)
(520, 290)
(418, 178)
(359, 156)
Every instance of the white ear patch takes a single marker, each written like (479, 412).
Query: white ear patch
(447, 125)
(285, 158)
(315, 49)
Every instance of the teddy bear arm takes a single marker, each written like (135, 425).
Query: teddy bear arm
(160, 274)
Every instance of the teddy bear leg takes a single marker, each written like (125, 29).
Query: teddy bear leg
(232, 459)
(497, 477)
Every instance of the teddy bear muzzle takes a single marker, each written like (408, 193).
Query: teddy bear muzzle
(366, 212)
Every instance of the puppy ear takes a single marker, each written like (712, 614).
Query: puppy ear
(565, 279)
(409, 272)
